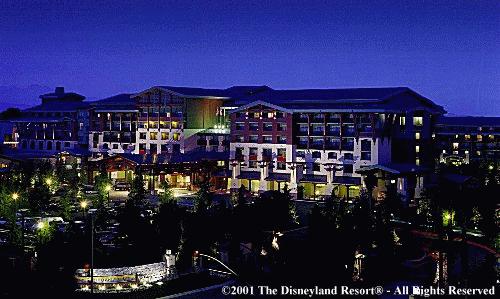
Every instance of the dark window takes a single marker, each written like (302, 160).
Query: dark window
(281, 127)
(301, 154)
(267, 152)
(40, 145)
(316, 167)
(238, 153)
(332, 155)
(49, 145)
(366, 145)
(279, 114)
(268, 126)
(348, 168)
(348, 156)
(240, 126)
(366, 156)
(303, 129)
(66, 144)
(253, 138)
(142, 135)
(58, 146)
(104, 146)
(253, 126)
(282, 139)
(115, 146)
(316, 155)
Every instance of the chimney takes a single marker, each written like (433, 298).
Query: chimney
(59, 90)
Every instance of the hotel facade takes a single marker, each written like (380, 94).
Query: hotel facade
(314, 141)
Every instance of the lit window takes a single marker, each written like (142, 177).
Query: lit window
(478, 153)
(417, 161)
(418, 121)
(455, 145)
(417, 149)
(220, 163)
(153, 136)
(491, 137)
(270, 115)
(456, 136)
(466, 152)
(402, 120)
(164, 136)
(479, 137)
(417, 135)
(467, 137)
(455, 152)
(444, 151)
(176, 136)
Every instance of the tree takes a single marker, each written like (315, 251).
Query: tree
(203, 198)
(167, 196)
(137, 192)
(102, 186)
(292, 211)
(10, 113)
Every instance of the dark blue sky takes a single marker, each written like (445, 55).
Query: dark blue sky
(448, 51)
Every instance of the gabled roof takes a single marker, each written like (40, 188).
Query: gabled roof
(476, 121)
(59, 106)
(119, 102)
(368, 99)
(41, 119)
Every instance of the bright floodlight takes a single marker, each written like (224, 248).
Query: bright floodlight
(83, 204)
(40, 225)
(107, 188)
(48, 181)
(15, 196)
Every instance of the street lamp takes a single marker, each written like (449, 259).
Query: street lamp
(91, 212)
(107, 189)
(83, 205)
(22, 212)
(15, 197)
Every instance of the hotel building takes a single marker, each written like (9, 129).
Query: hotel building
(468, 139)
(323, 140)
(59, 123)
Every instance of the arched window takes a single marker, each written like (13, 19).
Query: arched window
(49, 145)
(58, 146)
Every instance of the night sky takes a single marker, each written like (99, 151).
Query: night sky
(448, 51)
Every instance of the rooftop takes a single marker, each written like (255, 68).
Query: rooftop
(469, 121)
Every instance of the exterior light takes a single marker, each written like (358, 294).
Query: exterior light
(490, 167)
(107, 188)
(133, 286)
(83, 204)
(48, 181)
(40, 225)
(15, 196)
